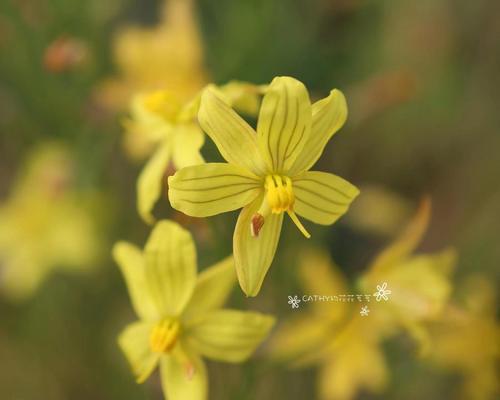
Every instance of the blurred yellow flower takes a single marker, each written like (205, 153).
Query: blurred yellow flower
(159, 123)
(44, 224)
(161, 74)
(158, 120)
(348, 344)
(169, 55)
(267, 172)
(466, 339)
(180, 315)
(392, 211)
(335, 336)
(420, 284)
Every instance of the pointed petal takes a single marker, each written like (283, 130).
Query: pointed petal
(150, 182)
(423, 284)
(243, 96)
(210, 189)
(235, 139)
(299, 336)
(253, 255)
(318, 274)
(407, 242)
(187, 140)
(212, 288)
(170, 267)
(228, 335)
(178, 383)
(134, 342)
(131, 262)
(284, 122)
(328, 116)
(359, 365)
(322, 197)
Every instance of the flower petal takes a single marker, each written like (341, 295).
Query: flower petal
(170, 267)
(407, 242)
(150, 182)
(253, 255)
(358, 365)
(322, 197)
(228, 335)
(235, 139)
(328, 116)
(423, 282)
(242, 96)
(214, 188)
(298, 336)
(284, 122)
(187, 140)
(319, 275)
(212, 288)
(178, 383)
(131, 262)
(134, 342)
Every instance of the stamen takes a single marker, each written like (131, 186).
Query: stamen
(289, 192)
(164, 336)
(272, 193)
(298, 224)
(256, 224)
(259, 218)
(280, 198)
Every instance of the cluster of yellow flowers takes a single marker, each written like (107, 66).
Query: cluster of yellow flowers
(46, 223)
(266, 174)
(345, 343)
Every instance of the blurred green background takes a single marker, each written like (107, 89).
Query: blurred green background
(422, 84)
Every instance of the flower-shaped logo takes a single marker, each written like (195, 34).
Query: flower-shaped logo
(294, 301)
(382, 292)
(364, 311)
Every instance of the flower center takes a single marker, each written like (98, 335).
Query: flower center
(162, 103)
(164, 335)
(279, 193)
(279, 198)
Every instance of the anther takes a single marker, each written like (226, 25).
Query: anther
(256, 224)
(164, 336)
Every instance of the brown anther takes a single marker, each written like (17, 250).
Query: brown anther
(256, 224)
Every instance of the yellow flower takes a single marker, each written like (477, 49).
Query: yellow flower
(44, 224)
(167, 56)
(466, 339)
(267, 172)
(159, 122)
(180, 315)
(354, 360)
(419, 284)
(332, 335)
(393, 211)
(174, 134)
(348, 345)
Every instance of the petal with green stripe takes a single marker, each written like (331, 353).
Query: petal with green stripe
(284, 123)
(328, 116)
(322, 197)
(210, 189)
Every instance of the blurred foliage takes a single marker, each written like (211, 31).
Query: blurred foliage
(421, 80)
